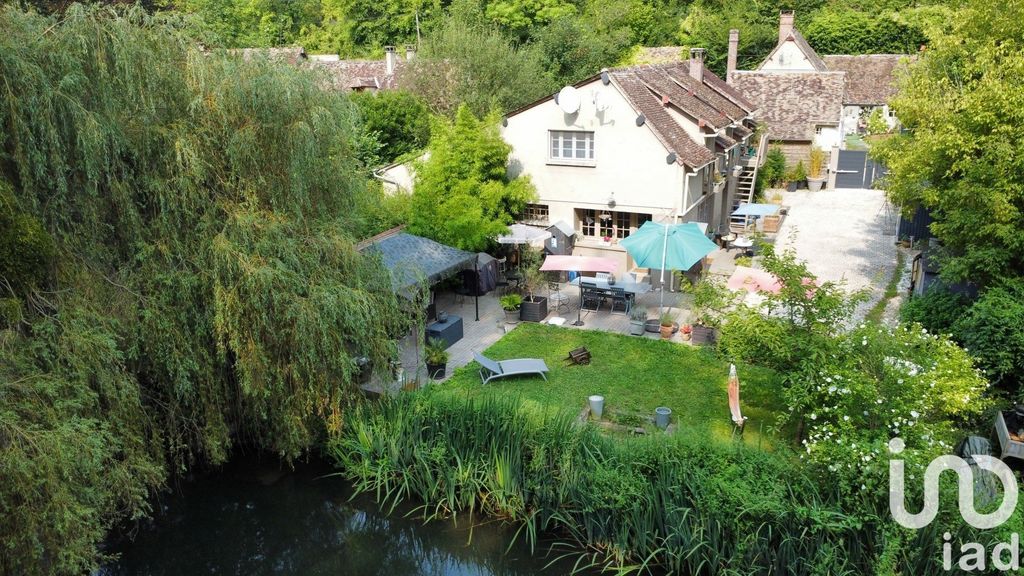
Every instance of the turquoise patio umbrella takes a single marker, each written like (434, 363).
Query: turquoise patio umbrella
(667, 247)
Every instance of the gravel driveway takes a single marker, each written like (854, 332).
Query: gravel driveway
(844, 235)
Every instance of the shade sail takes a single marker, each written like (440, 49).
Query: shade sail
(668, 246)
(413, 259)
(554, 262)
(751, 209)
(753, 280)
(523, 234)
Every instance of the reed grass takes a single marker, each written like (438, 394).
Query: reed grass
(687, 504)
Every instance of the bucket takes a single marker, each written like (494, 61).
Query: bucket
(661, 416)
(596, 406)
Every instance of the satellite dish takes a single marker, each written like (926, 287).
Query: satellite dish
(600, 102)
(605, 78)
(568, 100)
(670, 158)
(640, 120)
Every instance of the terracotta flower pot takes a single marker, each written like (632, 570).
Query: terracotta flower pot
(666, 332)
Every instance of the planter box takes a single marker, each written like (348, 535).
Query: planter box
(636, 327)
(704, 334)
(534, 311)
(771, 223)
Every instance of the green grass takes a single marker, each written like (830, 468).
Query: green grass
(878, 310)
(635, 375)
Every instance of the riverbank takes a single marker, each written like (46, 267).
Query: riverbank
(255, 516)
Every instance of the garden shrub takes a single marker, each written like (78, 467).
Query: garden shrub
(684, 504)
(936, 310)
(26, 250)
(993, 330)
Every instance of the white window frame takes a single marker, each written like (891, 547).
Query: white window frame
(579, 141)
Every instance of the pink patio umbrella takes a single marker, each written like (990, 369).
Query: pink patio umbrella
(753, 280)
(559, 263)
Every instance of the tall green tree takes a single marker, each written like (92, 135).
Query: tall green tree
(468, 60)
(463, 196)
(199, 286)
(397, 119)
(961, 156)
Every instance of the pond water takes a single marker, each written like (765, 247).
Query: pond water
(251, 519)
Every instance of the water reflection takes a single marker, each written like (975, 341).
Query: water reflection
(248, 521)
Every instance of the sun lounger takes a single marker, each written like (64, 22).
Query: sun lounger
(491, 369)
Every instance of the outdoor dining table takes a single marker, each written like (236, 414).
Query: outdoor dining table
(630, 286)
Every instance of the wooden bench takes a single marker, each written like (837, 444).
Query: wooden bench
(579, 356)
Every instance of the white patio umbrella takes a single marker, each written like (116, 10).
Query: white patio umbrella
(519, 234)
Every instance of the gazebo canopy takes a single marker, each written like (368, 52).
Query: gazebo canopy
(412, 259)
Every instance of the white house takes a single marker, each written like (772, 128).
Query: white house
(657, 141)
(807, 100)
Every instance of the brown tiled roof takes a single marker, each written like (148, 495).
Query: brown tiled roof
(670, 86)
(665, 128)
(790, 104)
(708, 90)
(816, 62)
(356, 74)
(870, 78)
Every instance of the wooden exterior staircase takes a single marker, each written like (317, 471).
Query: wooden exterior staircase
(746, 184)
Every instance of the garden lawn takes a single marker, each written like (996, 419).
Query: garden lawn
(635, 375)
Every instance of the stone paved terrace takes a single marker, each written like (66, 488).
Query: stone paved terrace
(479, 335)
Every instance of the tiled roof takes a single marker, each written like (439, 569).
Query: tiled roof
(790, 104)
(356, 74)
(710, 91)
(870, 78)
(666, 128)
(679, 93)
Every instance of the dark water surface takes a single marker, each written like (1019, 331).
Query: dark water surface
(251, 519)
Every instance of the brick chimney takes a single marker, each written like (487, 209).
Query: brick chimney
(390, 59)
(734, 47)
(410, 51)
(697, 64)
(785, 24)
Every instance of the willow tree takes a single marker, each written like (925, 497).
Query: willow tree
(201, 286)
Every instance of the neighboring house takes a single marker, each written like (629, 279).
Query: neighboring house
(344, 75)
(805, 99)
(657, 141)
(870, 83)
(365, 75)
(400, 176)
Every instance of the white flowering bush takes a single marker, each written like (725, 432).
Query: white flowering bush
(879, 383)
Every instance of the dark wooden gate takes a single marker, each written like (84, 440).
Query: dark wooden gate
(855, 169)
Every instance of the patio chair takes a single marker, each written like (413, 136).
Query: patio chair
(491, 369)
(591, 297)
(619, 300)
(556, 298)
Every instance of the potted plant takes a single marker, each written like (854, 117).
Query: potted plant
(606, 240)
(816, 173)
(435, 355)
(667, 326)
(710, 300)
(533, 308)
(797, 177)
(686, 330)
(510, 303)
(637, 320)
